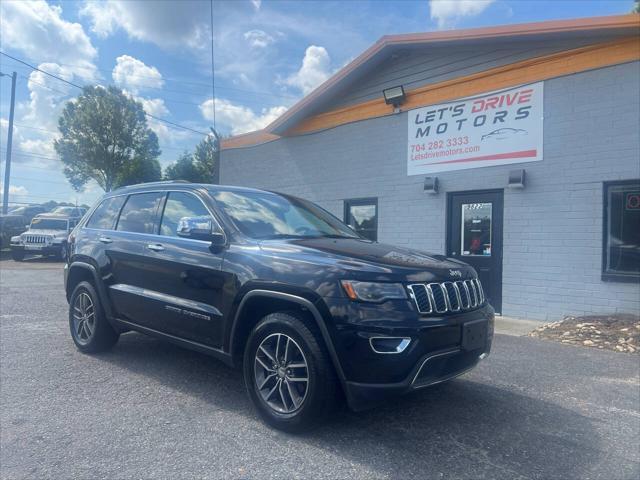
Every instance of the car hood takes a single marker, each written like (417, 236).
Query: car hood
(53, 233)
(359, 255)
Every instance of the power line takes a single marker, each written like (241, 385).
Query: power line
(189, 92)
(81, 88)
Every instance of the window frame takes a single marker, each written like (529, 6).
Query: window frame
(358, 202)
(606, 275)
(165, 193)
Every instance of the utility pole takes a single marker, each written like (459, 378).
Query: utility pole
(7, 165)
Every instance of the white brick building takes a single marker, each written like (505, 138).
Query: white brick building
(566, 243)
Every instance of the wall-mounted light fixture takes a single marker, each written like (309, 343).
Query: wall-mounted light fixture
(516, 179)
(394, 96)
(431, 185)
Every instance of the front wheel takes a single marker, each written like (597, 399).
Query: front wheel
(288, 373)
(17, 255)
(62, 253)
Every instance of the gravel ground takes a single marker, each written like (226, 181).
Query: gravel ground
(533, 409)
(620, 332)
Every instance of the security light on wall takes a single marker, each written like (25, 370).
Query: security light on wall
(516, 179)
(431, 185)
(394, 96)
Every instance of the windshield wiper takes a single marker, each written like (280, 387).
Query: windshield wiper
(276, 236)
(335, 235)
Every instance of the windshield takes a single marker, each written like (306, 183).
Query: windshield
(48, 224)
(264, 215)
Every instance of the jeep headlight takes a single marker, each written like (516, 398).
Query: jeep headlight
(16, 239)
(373, 291)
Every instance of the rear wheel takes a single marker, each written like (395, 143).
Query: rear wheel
(90, 329)
(17, 255)
(288, 373)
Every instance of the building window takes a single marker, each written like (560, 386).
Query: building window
(361, 214)
(621, 255)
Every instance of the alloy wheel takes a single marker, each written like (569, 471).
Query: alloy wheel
(84, 318)
(281, 373)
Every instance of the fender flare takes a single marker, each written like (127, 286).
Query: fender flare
(97, 281)
(300, 301)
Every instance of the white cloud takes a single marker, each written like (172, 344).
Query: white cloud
(134, 75)
(38, 31)
(258, 38)
(315, 69)
(47, 96)
(238, 118)
(16, 191)
(256, 4)
(163, 23)
(448, 12)
(157, 108)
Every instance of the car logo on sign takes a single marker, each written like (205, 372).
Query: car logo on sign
(455, 273)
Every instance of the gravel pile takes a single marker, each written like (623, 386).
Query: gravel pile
(620, 332)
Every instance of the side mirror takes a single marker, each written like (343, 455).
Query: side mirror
(201, 228)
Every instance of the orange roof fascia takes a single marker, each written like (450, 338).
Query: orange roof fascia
(526, 71)
(247, 139)
(523, 29)
(593, 23)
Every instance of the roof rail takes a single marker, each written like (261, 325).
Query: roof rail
(150, 184)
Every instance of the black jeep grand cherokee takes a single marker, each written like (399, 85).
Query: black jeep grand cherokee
(278, 285)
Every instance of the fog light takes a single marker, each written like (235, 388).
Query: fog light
(389, 344)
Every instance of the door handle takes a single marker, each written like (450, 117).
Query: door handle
(156, 247)
(105, 240)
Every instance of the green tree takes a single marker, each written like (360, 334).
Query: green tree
(636, 7)
(206, 158)
(184, 169)
(105, 137)
(199, 167)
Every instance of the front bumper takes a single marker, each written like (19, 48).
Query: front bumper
(48, 249)
(438, 351)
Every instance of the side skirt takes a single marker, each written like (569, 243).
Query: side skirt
(189, 344)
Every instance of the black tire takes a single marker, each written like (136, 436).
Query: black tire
(102, 336)
(17, 255)
(62, 254)
(322, 387)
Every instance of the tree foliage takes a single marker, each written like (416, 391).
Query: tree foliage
(199, 167)
(105, 137)
(183, 169)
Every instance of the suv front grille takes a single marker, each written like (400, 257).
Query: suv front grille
(37, 239)
(447, 297)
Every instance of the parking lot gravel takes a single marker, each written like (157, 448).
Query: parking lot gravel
(533, 410)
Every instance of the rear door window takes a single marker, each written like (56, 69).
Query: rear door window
(140, 212)
(104, 217)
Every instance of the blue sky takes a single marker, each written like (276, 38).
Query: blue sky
(268, 54)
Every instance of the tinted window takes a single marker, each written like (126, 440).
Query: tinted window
(362, 216)
(180, 205)
(264, 215)
(48, 224)
(139, 213)
(622, 230)
(105, 215)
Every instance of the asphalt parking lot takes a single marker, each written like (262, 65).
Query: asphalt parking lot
(148, 409)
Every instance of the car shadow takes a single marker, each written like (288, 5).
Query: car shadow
(463, 428)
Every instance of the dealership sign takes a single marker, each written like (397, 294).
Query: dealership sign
(495, 129)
